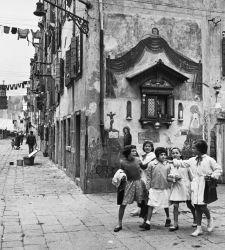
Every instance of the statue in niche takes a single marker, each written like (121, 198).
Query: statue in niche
(127, 140)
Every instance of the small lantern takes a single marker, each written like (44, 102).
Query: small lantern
(157, 125)
(180, 112)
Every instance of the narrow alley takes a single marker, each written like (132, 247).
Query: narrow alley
(42, 208)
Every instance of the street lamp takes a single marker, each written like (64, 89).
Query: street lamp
(81, 23)
(39, 9)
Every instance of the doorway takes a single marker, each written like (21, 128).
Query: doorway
(220, 146)
(57, 143)
(77, 143)
(64, 143)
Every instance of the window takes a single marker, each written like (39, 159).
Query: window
(159, 106)
(129, 110)
(68, 67)
(76, 56)
(73, 61)
(157, 103)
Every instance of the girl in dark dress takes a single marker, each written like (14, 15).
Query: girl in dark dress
(134, 187)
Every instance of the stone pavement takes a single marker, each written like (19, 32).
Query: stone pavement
(41, 208)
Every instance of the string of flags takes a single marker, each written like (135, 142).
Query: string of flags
(16, 85)
(22, 33)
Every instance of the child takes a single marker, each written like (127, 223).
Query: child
(180, 189)
(134, 188)
(134, 151)
(149, 156)
(158, 186)
(201, 166)
(13, 143)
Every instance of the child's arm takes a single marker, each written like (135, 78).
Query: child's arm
(190, 174)
(170, 176)
(148, 176)
(216, 168)
(181, 163)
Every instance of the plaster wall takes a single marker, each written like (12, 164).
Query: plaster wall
(124, 29)
(184, 25)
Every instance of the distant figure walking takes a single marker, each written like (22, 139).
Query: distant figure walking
(21, 138)
(13, 143)
(17, 142)
(31, 141)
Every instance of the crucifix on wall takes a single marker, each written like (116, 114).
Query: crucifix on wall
(111, 115)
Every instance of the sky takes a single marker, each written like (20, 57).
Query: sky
(15, 54)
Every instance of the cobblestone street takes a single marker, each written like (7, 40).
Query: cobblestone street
(41, 208)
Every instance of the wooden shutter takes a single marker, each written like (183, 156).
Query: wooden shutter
(170, 106)
(73, 57)
(223, 56)
(78, 55)
(68, 67)
(61, 75)
(57, 83)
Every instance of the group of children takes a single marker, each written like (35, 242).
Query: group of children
(168, 182)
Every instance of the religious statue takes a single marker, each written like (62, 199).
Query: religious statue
(111, 120)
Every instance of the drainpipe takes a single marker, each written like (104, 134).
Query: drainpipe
(101, 60)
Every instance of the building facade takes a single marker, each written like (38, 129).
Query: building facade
(155, 69)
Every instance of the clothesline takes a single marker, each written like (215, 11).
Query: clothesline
(22, 33)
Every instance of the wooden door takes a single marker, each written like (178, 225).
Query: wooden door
(220, 145)
(77, 143)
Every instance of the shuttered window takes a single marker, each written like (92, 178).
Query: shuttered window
(76, 56)
(68, 68)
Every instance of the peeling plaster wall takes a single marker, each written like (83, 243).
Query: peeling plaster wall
(185, 26)
(124, 29)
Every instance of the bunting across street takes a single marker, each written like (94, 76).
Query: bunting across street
(17, 85)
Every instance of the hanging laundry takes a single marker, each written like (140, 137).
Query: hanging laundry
(36, 35)
(6, 29)
(23, 33)
(13, 30)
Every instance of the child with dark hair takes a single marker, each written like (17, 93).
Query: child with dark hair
(134, 151)
(158, 186)
(201, 166)
(135, 187)
(181, 189)
(147, 157)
